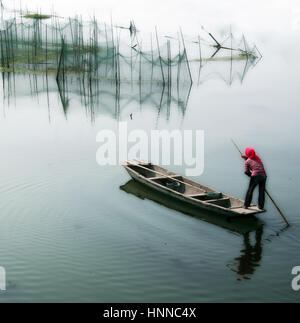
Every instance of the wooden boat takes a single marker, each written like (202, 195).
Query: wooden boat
(188, 191)
(241, 225)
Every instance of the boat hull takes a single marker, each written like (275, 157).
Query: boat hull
(241, 225)
(201, 206)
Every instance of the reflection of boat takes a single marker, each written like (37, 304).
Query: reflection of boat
(188, 191)
(240, 225)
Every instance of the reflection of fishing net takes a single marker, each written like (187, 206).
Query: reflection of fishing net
(99, 98)
(226, 70)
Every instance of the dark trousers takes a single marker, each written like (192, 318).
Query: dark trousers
(254, 181)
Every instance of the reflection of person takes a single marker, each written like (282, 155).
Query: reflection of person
(251, 256)
(254, 168)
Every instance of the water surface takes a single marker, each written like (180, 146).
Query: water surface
(69, 233)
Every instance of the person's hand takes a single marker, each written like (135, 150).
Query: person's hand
(244, 156)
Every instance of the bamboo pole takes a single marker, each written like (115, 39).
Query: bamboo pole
(178, 65)
(160, 60)
(160, 174)
(185, 53)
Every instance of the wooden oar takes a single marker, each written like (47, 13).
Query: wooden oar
(161, 174)
(277, 207)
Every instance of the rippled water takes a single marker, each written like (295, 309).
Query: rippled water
(70, 232)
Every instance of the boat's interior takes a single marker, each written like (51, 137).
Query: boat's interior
(185, 186)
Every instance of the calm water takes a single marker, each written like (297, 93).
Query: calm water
(69, 233)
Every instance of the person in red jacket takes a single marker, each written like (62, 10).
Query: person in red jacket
(254, 168)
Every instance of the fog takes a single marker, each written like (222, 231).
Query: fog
(279, 16)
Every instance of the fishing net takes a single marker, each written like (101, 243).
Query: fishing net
(93, 60)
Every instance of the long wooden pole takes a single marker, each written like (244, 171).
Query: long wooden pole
(161, 174)
(275, 204)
